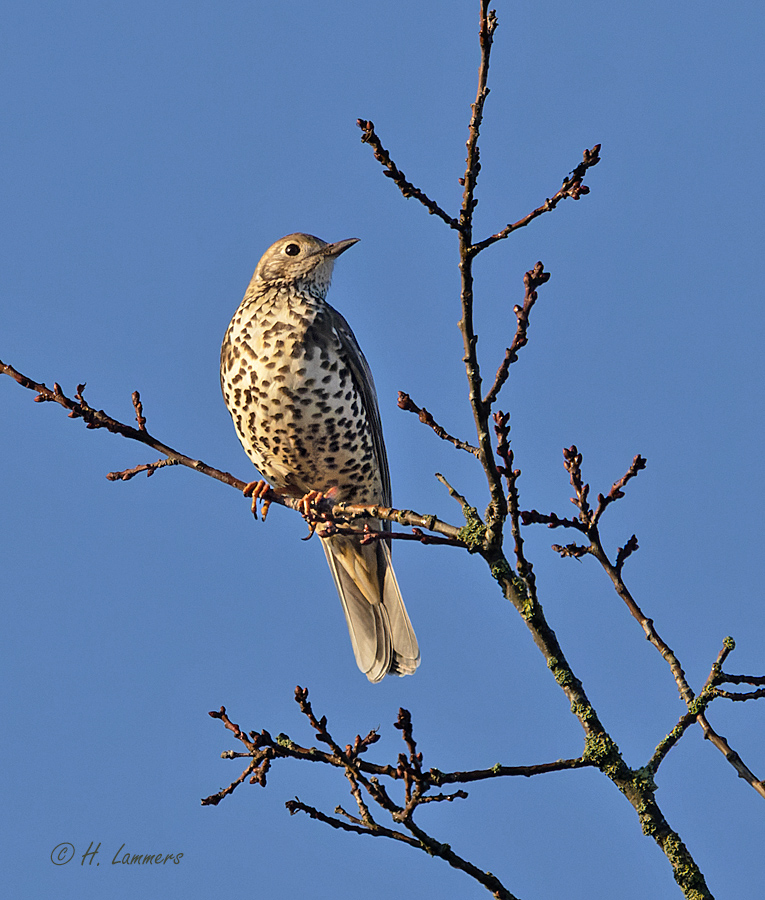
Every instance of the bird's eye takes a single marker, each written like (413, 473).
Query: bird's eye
(292, 249)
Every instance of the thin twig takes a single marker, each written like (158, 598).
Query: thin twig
(453, 492)
(511, 475)
(718, 741)
(531, 280)
(572, 460)
(695, 709)
(370, 536)
(736, 695)
(326, 510)
(79, 409)
(379, 831)
(409, 769)
(139, 416)
(725, 678)
(149, 468)
(552, 520)
(406, 403)
(488, 25)
(392, 171)
(624, 552)
(560, 765)
(687, 694)
(616, 493)
(572, 187)
(497, 512)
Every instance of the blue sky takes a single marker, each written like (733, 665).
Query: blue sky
(151, 152)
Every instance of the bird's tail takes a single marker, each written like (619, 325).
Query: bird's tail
(381, 633)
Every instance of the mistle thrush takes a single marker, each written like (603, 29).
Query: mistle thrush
(304, 406)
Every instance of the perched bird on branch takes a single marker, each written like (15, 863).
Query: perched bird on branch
(304, 406)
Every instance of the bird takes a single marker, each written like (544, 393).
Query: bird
(304, 406)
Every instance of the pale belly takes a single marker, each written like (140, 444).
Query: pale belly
(301, 420)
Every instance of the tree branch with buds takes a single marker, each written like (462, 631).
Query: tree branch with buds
(394, 792)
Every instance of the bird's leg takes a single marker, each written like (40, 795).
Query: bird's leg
(258, 491)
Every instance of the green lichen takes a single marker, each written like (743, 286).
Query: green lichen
(473, 532)
(642, 780)
(562, 674)
(685, 870)
(583, 711)
(500, 570)
(647, 824)
(604, 753)
(284, 740)
(699, 705)
(597, 747)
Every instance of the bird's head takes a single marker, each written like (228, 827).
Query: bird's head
(301, 258)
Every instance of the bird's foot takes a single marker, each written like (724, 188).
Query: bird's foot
(315, 518)
(306, 506)
(258, 490)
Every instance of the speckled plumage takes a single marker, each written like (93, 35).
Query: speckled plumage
(304, 406)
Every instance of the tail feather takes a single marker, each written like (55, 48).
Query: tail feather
(381, 634)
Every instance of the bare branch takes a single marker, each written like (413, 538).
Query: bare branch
(684, 688)
(454, 493)
(392, 171)
(79, 409)
(511, 476)
(344, 511)
(532, 517)
(572, 551)
(735, 695)
(138, 406)
(378, 831)
(596, 549)
(498, 771)
(696, 713)
(572, 187)
(325, 510)
(616, 493)
(624, 552)
(725, 678)
(149, 468)
(532, 280)
(417, 783)
(696, 709)
(696, 706)
(731, 756)
(488, 25)
(572, 460)
(406, 403)
(369, 536)
(492, 535)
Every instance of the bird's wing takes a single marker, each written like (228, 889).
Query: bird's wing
(362, 378)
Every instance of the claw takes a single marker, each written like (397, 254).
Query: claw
(306, 507)
(258, 491)
(311, 531)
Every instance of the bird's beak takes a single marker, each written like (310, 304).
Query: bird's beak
(334, 250)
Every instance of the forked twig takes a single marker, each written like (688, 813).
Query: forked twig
(366, 787)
